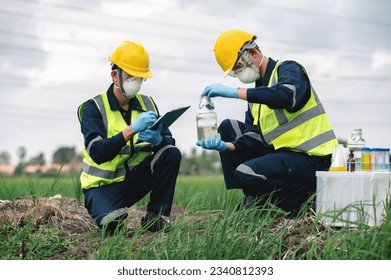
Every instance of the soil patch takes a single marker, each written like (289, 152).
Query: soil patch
(68, 215)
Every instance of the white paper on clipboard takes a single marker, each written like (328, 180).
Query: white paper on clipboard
(169, 118)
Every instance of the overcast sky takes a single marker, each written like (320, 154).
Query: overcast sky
(53, 57)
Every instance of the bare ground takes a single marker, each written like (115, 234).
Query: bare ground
(68, 215)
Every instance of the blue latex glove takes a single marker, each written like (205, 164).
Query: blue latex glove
(220, 90)
(214, 143)
(152, 136)
(144, 121)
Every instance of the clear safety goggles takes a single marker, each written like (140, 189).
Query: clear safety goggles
(242, 62)
(126, 76)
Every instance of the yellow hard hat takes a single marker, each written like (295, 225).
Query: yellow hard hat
(132, 58)
(228, 46)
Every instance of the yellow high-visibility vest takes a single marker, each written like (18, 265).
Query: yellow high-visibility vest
(307, 130)
(95, 175)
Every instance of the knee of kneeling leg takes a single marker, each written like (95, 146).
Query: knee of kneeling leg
(224, 125)
(116, 215)
(112, 225)
(240, 177)
(245, 175)
(174, 154)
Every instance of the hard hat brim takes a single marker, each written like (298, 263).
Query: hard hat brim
(226, 73)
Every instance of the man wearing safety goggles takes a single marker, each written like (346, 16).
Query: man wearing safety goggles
(286, 136)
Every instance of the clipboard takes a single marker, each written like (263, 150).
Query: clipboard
(169, 118)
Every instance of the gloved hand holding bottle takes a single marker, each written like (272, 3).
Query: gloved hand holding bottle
(220, 90)
(214, 143)
(144, 121)
(152, 136)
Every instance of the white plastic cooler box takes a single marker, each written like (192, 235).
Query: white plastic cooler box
(352, 198)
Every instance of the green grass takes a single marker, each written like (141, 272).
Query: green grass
(192, 192)
(13, 187)
(210, 228)
(31, 243)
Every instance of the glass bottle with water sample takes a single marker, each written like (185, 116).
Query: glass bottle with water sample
(206, 119)
(355, 144)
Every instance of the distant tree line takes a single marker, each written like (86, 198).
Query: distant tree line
(61, 156)
(198, 162)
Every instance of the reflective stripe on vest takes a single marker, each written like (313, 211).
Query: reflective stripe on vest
(95, 175)
(308, 130)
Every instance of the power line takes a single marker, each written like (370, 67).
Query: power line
(17, 108)
(317, 14)
(37, 115)
(371, 2)
(159, 23)
(203, 63)
(103, 26)
(72, 42)
(90, 11)
(262, 5)
(15, 48)
(95, 46)
(364, 78)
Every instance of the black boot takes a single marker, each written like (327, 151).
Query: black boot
(247, 202)
(113, 227)
(153, 222)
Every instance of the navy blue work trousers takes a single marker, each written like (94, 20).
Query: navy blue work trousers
(259, 170)
(156, 175)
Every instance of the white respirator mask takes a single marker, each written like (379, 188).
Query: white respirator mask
(250, 74)
(131, 86)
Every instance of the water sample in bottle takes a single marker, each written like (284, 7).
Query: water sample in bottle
(206, 119)
(355, 144)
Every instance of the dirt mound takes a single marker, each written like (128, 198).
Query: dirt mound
(62, 213)
(68, 215)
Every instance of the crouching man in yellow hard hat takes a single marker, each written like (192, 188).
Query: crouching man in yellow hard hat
(286, 136)
(123, 160)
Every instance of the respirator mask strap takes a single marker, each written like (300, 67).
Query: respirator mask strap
(119, 71)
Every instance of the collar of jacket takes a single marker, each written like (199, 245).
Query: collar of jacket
(269, 69)
(134, 104)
